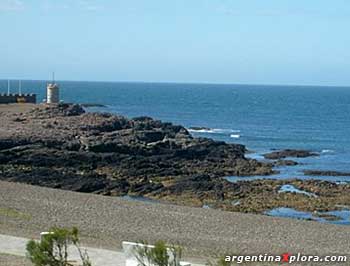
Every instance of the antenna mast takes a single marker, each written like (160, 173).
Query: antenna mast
(53, 77)
(20, 87)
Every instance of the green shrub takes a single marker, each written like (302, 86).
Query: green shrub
(160, 255)
(52, 250)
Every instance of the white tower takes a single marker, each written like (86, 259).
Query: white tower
(53, 91)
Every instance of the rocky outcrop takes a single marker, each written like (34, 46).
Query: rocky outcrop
(200, 128)
(62, 146)
(56, 110)
(285, 163)
(276, 155)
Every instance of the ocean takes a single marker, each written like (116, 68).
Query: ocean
(262, 117)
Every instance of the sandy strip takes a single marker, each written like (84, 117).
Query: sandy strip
(105, 222)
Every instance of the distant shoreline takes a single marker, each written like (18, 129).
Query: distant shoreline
(188, 83)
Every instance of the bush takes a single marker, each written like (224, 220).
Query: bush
(160, 255)
(52, 250)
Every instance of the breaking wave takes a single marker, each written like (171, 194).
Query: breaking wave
(327, 151)
(213, 130)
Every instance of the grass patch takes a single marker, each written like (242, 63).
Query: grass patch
(12, 213)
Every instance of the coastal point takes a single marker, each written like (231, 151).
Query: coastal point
(176, 133)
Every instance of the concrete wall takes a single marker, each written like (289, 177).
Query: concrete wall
(17, 98)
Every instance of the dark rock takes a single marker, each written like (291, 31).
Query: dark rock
(11, 143)
(87, 105)
(150, 136)
(325, 173)
(289, 153)
(199, 185)
(285, 163)
(199, 128)
(327, 216)
(19, 119)
(144, 187)
(56, 110)
(143, 119)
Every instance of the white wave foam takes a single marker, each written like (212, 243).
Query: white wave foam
(293, 189)
(327, 151)
(214, 131)
(235, 136)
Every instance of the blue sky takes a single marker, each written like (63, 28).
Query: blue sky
(218, 41)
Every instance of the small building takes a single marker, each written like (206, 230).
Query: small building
(17, 98)
(53, 93)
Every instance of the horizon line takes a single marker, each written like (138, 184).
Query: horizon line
(183, 82)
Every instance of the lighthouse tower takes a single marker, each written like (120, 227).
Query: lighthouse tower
(53, 91)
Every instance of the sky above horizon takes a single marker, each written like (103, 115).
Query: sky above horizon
(223, 41)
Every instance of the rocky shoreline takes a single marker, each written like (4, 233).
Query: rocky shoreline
(64, 147)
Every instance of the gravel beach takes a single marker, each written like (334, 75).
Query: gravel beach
(106, 221)
(10, 260)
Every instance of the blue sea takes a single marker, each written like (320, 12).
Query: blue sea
(262, 117)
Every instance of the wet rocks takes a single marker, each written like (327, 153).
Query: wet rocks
(256, 196)
(325, 173)
(200, 128)
(276, 155)
(62, 146)
(285, 163)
